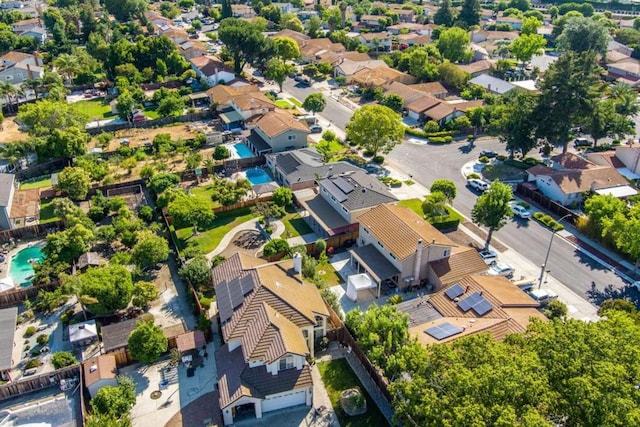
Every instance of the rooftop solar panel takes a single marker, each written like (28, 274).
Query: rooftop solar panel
(455, 291)
(443, 331)
(482, 307)
(343, 185)
(469, 301)
(334, 191)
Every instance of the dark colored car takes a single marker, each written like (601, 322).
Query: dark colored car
(488, 154)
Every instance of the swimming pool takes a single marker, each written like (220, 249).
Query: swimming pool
(242, 150)
(258, 176)
(21, 270)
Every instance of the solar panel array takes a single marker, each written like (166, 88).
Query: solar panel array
(343, 185)
(230, 294)
(455, 291)
(334, 191)
(476, 302)
(444, 330)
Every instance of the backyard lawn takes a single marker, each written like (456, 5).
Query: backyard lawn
(208, 240)
(329, 275)
(416, 206)
(46, 212)
(95, 108)
(40, 183)
(206, 192)
(413, 204)
(295, 225)
(337, 377)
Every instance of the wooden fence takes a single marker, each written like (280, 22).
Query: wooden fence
(45, 168)
(38, 382)
(535, 197)
(192, 117)
(242, 204)
(17, 296)
(30, 231)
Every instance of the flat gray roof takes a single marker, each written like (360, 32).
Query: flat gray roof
(7, 331)
(6, 184)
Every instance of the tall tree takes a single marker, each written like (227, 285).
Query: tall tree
(530, 25)
(517, 126)
(453, 44)
(470, 12)
(75, 182)
(492, 208)
(190, 210)
(583, 35)
(278, 70)
(314, 26)
(445, 14)
(315, 103)
(147, 342)
(526, 46)
(246, 43)
(566, 95)
(376, 128)
(226, 11)
(287, 48)
(111, 286)
(150, 249)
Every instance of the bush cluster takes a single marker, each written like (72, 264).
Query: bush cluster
(440, 139)
(548, 221)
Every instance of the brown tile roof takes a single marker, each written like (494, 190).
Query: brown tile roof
(15, 57)
(190, 341)
(378, 76)
(263, 383)
(464, 106)
(99, 368)
(399, 229)
(176, 33)
(26, 203)
(440, 111)
(496, 327)
(26, 22)
(422, 104)
(276, 122)
(298, 37)
(407, 93)
(606, 158)
(540, 170)
(506, 293)
(230, 365)
(461, 262)
(313, 46)
(223, 93)
(172, 331)
(116, 335)
(476, 67)
(573, 161)
(430, 88)
(208, 65)
(576, 181)
(375, 36)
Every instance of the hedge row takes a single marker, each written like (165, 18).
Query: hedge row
(422, 134)
(449, 222)
(548, 221)
(441, 140)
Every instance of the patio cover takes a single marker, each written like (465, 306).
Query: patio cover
(620, 191)
(231, 117)
(378, 267)
(627, 173)
(359, 282)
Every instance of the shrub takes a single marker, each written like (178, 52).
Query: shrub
(440, 139)
(62, 359)
(205, 303)
(42, 339)
(35, 352)
(367, 153)
(471, 137)
(29, 331)
(484, 159)
(378, 159)
(396, 299)
(269, 230)
(146, 213)
(275, 246)
(431, 126)
(32, 363)
(501, 157)
(530, 161)
(474, 176)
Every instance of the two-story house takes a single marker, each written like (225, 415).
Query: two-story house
(238, 103)
(378, 42)
(16, 67)
(276, 131)
(212, 70)
(270, 319)
(395, 244)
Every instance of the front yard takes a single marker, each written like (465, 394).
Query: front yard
(337, 377)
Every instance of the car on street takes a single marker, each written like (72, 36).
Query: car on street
(501, 269)
(582, 142)
(490, 154)
(542, 296)
(477, 184)
(520, 211)
(488, 256)
(316, 129)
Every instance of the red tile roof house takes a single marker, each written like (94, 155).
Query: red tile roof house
(270, 318)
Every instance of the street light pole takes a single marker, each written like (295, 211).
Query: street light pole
(546, 258)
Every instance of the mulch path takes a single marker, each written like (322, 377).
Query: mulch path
(204, 408)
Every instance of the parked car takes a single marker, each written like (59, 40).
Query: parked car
(520, 211)
(488, 154)
(298, 78)
(488, 256)
(316, 129)
(542, 296)
(501, 269)
(582, 142)
(477, 184)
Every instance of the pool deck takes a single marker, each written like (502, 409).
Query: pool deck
(6, 264)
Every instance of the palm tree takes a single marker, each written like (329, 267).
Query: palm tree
(74, 287)
(625, 98)
(67, 66)
(7, 90)
(33, 85)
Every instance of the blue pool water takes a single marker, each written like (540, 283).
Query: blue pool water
(21, 270)
(242, 150)
(258, 176)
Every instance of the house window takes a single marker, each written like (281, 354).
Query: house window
(391, 255)
(381, 245)
(366, 231)
(344, 209)
(286, 363)
(291, 137)
(445, 253)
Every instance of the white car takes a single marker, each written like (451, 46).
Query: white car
(477, 184)
(500, 269)
(520, 211)
(488, 256)
(542, 296)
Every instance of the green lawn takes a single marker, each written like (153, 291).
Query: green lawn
(283, 103)
(337, 377)
(502, 172)
(329, 275)
(41, 183)
(95, 108)
(295, 102)
(295, 225)
(209, 239)
(413, 204)
(206, 192)
(46, 212)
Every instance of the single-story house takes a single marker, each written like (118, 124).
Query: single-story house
(100, 372)
(8, 317)
(492, 84)
(83, 334)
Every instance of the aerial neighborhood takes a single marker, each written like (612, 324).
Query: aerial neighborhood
(318, 213)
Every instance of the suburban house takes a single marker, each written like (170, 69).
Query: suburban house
(370, 21)
(395, 244)
(38, 33)
(404, 15)
(420, 29)
(412, 39)
(626, 160)
(492, 84)
(368, 77)
(300, 169)
(212, 70)
(435, 89)
(238, 103)
(348, 67)
(474, 304)
(191, 49)
(570, 176)
(176, 35)
(625, 71)
(7, 190)
(476, 68)
(276, 131)
(312, 50)
(514, 23)
(20, 27)
(100, 372)
(242, 11)
(270, 319)
(378, 42)
(8, 318)
(16, 67)
(491, 40)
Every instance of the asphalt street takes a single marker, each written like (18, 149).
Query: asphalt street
(427, 163)
(334, 112)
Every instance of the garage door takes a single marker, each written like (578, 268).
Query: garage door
(296, 397)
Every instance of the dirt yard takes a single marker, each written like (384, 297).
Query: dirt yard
(10, 132)
(137, 137)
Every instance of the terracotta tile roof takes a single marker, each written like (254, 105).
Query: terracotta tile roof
(573, 161)
(14, 57)
(399, 229)
(26, 203)
(576, 181)
(463, 261)
(192, 340)
(276, 122)
(99, 368)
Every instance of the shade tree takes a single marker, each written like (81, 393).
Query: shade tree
(111, 287)
(375, 128)
(492, 208)
(147, 342)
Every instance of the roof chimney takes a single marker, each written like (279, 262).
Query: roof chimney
(417, 263)
(297, 263)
